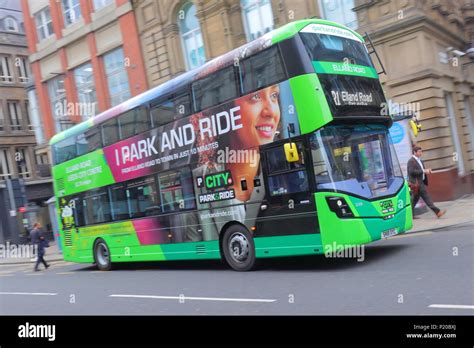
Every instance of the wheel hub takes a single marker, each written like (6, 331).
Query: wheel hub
(239, 247)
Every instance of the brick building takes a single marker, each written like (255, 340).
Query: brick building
(85, 56)
(17, 129)
(416, 40)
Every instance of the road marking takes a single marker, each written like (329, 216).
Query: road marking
(34, 274)
(6, 275)
(451, 306)
(65, 273)
(30, 293)
(184, 298)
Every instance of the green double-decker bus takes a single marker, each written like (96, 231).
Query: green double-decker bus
(277, 148)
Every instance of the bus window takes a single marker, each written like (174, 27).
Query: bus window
(261, 70)
(93, 139)
(330, 48)
(78, 210)
(176, 190)
(110, 132)
(171, 109)
(276, 160)
(97, 206)
(119, 202)
(64, 150)
(142, 197)
(291, 182)
(286, 177)
(133, 122)
(215, 89)
(82, 146)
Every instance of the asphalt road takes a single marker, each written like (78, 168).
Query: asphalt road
(430, 273)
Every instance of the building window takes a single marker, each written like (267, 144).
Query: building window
(23, 68)
(191, 36)
(5, 71)
(71, 11)
(339, 11)
(5, 165)
(98, 4)
(44, 24)
(2, 119)
(454, 132)
(11, 24)
(86, 90)
(14, 113)
(258, 17)
(117, 79)
(29, 124)
(22, 163)
(57, 98)
(470, 122)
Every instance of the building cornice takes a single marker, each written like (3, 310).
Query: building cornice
(400, 29)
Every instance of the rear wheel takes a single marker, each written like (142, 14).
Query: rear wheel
(102, 255)
(239, 249)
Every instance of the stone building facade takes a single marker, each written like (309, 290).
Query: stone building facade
(417, 40)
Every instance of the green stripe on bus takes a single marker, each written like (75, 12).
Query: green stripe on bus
(311, 103)
(337, 68)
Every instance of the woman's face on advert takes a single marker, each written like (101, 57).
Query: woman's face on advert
(260, 114)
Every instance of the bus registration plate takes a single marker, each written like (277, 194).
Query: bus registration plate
(389, 233)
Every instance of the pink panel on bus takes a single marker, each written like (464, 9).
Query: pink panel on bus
(149, 231)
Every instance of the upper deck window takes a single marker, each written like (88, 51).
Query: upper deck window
(215, 89)
(262, 70)
(337, 46)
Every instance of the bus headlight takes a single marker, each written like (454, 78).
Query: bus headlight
(339, 206)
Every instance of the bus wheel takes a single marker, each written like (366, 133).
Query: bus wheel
(239, 249)
(102, 255)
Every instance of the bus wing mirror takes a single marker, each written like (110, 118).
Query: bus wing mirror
(291, 152)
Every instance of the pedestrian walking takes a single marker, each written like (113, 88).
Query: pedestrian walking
(35, 233)
(42, 244)
(418, 180)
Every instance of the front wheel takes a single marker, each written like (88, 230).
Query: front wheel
(102, 256)
(239, 248)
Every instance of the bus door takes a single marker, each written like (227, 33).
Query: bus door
(289, 206)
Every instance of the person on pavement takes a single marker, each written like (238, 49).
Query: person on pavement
(42, 244)
(418, 180)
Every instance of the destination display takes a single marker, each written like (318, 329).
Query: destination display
(353, 95)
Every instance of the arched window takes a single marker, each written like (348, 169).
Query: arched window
(11, 24)
(258, 17)
(191, 36)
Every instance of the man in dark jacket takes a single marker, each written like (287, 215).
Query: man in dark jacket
(42, 244)
(418, 178)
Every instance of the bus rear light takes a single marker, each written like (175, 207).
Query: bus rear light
(339, 206)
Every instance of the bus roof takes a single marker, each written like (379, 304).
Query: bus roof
(270, 38)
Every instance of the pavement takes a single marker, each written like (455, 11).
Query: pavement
(459, 212)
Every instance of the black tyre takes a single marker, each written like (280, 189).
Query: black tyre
(102, 255)
(238, 248)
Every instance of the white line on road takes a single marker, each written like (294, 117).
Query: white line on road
(185, 298)
(453, 306)
(30, 293)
